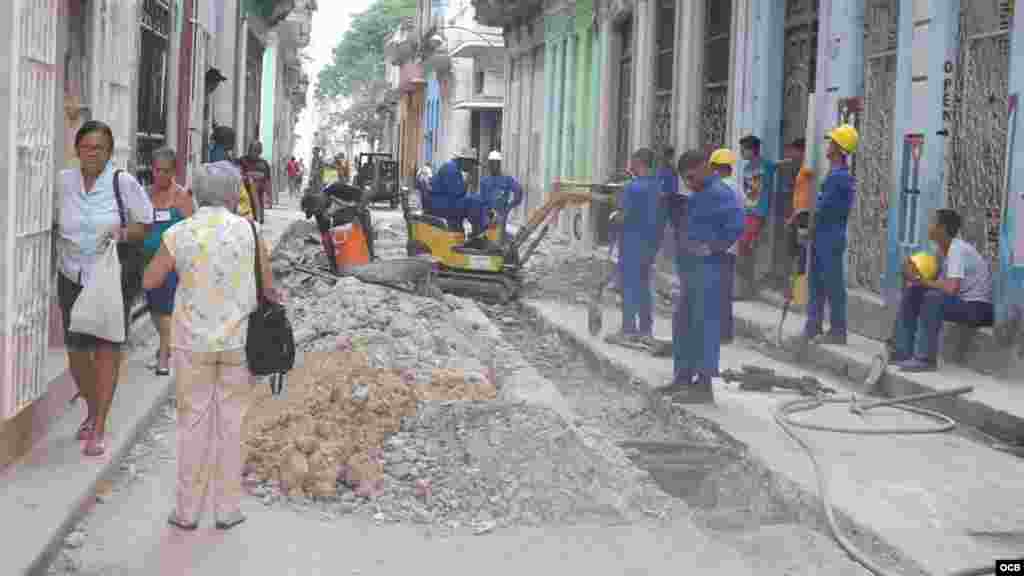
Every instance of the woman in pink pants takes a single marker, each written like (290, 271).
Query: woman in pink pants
(213, 254)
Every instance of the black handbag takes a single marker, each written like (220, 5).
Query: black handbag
(270, 343)
(133, 260)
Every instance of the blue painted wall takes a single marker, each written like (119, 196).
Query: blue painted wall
(1013, 286)
(431, 118)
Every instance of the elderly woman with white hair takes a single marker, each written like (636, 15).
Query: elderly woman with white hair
(213, 254)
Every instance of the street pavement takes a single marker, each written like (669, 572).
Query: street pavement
(53, 485)
(129, 535)
(923, 495)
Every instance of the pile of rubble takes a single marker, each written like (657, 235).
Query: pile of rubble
(493, 464)
(332, 430)
(396, 413)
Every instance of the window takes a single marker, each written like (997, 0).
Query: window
(154, 24)
(666, 44)
(478, 82)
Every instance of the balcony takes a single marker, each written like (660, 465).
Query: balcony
(501, 13)
(475, 42)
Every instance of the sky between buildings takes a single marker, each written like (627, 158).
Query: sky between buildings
(329, 23)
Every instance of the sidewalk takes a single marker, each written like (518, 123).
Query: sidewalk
(920, 494)
(54, 485)
(995, 407)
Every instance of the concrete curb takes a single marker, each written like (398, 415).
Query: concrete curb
(803, 496)
(854, 366)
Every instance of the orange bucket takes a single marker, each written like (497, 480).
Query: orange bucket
(350, 248)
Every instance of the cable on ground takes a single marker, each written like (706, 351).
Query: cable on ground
(784, 418)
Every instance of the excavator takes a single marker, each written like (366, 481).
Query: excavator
(491, 274)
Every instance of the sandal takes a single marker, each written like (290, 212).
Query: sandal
(174, 521)
(230, 523)
(95, 447)
(85, 430)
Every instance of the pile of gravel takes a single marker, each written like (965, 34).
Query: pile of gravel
(484, 465)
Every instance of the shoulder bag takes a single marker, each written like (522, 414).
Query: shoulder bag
(129, 253)
(270, 343)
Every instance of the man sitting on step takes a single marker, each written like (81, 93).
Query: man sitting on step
(961, 294)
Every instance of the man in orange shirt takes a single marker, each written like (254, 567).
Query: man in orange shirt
(803, 195)
(803, 187)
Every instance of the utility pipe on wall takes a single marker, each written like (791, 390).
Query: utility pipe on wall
(185, 85)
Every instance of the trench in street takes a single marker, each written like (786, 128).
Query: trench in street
(733, 496)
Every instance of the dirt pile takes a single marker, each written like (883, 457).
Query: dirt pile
(340, 412)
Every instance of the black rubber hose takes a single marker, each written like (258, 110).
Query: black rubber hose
(783, 416)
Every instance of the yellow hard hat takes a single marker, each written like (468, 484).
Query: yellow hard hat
(927, 265)
(722, 157)
(846, 137)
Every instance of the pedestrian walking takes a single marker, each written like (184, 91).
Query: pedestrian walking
(257, 174)
(827, 280)
(714, 222)
(294, 176)
(638, 214)
(214, 254)
(89, 219)
(722, 162)
(171, 204)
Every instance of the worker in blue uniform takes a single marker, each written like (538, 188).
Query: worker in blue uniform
(714, 223)
(450, 201)
(721, 163)
(638, 213)
(500, 192)
(827, 281)
(669, 181)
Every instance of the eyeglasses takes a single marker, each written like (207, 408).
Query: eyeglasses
(97, 148)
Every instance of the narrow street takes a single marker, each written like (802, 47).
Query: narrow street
(568, 466)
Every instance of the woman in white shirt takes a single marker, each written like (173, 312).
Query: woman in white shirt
(88, 220)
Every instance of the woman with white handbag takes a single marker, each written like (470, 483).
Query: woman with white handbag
(97, 205)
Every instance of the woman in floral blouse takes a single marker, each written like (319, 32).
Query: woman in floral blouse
(213, 254)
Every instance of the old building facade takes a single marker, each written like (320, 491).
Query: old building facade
(142, 67)
(928, 84)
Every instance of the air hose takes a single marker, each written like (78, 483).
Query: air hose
(783, 416)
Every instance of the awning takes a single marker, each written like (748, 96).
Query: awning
(477, 49)
(479, 105)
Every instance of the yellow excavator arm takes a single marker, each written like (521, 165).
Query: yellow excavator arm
(564, 194)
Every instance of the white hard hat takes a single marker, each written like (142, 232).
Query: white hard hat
(494, 155)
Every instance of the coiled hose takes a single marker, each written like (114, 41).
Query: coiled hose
(783, 416)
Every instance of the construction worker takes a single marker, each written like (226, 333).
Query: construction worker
(828, 244)
(722, 162)
(714, 222)
(450, 201)
(499, 192)
(758, 189)
(639, 216)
